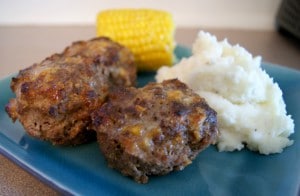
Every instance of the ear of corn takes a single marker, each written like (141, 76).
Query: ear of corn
(148, 33)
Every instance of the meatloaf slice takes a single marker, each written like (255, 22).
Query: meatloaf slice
(54, 98)
(155, 129)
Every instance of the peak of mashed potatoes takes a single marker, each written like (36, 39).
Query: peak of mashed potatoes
(250, 107)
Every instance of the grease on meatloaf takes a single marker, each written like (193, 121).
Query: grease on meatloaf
(54, 98)
(155, 129)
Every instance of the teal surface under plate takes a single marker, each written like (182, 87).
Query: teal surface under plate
(82, 170)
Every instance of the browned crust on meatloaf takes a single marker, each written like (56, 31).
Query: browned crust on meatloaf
(54, 98)
(118, 59)
(155, 129)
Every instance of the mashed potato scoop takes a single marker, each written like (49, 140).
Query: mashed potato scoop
(251, 110)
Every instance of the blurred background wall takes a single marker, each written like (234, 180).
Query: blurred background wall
(242, 14)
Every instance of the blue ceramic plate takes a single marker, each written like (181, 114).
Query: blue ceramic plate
(82, 170)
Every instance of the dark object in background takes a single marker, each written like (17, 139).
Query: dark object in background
(288, 18)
